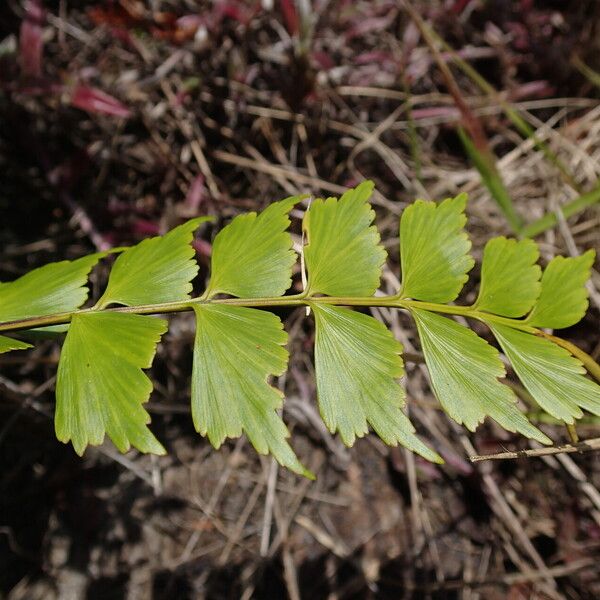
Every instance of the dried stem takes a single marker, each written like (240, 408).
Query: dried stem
(591, 445)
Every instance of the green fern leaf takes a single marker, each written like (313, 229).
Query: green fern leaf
(236, 350)
(357, 362)
(563, 300)
(156, 270)
(551, 375)
(464, 371)
(54, 288)
(434, 250)
(253, 255)
(343, 255)
(510, 277)
(101, 387)
(7, 344)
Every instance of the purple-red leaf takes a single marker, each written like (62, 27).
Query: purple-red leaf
(290, 16)
(366, 23)
(31, 43)
(322, 60)
(236, 11)
(93, 100)
(196, 194)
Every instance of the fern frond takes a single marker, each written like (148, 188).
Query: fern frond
(551, 375)
(465, 371)
(563, 298)
(101, 385)
(510, 277)
(159, 269)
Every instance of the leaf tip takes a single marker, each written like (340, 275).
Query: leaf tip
(589, 257)
(461, 200)
(155, 447)
(368, 185)
(434, 457)
(308, 474)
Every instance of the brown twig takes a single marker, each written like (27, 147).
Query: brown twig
(591, 445)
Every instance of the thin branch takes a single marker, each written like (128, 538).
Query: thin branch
(591, 445)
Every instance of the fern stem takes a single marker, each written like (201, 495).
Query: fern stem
(302, 299)
(572, 431)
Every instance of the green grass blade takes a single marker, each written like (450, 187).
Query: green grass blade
(550, 220)
(517, 120)
(590, 74)
(486, 166)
